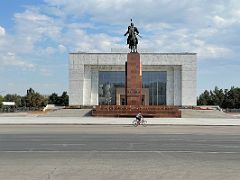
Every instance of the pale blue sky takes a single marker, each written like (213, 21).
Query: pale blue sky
(37, 35)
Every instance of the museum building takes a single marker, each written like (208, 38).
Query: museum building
(99, 79)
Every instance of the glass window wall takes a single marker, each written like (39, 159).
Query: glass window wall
(108, 82)
(154, 81)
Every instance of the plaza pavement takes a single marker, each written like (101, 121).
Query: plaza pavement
(83, 116)
(118, 121)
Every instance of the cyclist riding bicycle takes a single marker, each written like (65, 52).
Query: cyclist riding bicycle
(139, 117)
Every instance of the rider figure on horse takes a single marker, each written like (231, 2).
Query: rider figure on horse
(132, 35)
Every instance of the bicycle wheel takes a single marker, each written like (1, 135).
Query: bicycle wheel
(135, 123)
(144, 123)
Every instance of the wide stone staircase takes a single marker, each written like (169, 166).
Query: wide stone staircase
(67, 113)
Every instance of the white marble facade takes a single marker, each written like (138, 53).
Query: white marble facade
(181, 75)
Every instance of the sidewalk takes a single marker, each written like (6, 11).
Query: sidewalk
(119, 121)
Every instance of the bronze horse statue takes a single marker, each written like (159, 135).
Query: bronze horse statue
(132, 40)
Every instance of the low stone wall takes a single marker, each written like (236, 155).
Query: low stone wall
(133, 110)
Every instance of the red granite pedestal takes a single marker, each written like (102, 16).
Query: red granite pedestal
(133, 79)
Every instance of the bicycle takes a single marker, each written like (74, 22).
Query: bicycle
(141, 122)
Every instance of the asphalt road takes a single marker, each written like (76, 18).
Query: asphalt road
(119, 152)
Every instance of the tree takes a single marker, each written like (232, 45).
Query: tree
(1, 100)
(232, 99)
(217, 96)
(34, 99)
(223, 98)
(204, 99)
(58, 100)
(14, 98)
(64, 99)
(53, 99)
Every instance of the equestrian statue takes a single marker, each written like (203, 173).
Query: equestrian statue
(132, 39)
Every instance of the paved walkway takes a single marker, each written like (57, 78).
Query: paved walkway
(118, 121)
